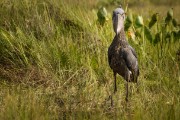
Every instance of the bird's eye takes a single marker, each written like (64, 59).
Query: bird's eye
(122, 14)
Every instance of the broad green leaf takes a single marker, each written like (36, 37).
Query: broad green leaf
(157, 38)
(169, 16)
(139, 21)
(148, 34)
(170, 13)
(168, 35)
(174, 21)
(176, 35)
(127, 25)
(138, 34)
(128, 22)
(102, 14)
(129, 18)
(154, 19)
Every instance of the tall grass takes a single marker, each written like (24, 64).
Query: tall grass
(53, 58)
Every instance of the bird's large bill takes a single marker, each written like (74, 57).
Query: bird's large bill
(118, 23)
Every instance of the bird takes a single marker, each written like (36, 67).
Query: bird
(122, 57)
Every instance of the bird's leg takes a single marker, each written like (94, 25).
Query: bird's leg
(128, 78)
(115, 87)
(127, 91)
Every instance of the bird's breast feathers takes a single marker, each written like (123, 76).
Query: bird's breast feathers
(117, 48)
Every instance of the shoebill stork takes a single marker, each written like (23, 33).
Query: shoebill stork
(122, 57)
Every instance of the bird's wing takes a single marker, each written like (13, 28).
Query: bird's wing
(130, 58)
(133, 51)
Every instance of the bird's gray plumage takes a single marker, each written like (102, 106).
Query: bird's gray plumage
(122, 57)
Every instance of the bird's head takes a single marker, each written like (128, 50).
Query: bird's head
(118, 19)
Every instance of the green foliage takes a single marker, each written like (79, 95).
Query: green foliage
(169, 16)
(102, 15)
(160, 32)
(129, 21)
(139, 21)
(16, 48)
(148, 34)
(157, 38)
(174, 21)
(129, 18)
(154, 19)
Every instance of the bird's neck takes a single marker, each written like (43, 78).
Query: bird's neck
(120, 38)
(121, 35)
